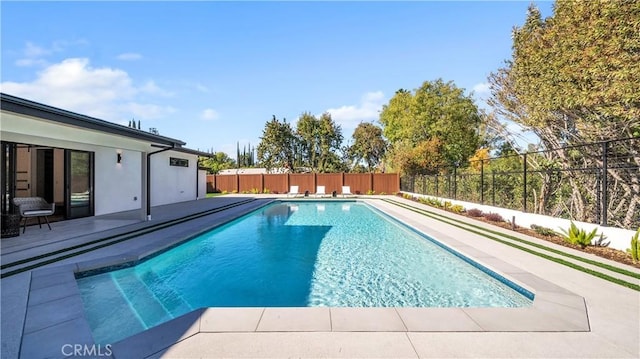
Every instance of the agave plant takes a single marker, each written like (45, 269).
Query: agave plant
(635, 247)
(577, 236)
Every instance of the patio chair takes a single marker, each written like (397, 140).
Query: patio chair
(320, 191)
(293, 191)
(34, 207)
(346, 191)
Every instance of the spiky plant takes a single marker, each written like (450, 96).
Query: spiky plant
(635, 246)
(577, 236)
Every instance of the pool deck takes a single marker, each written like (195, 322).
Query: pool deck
(574, 315)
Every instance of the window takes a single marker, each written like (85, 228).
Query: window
(180, 162)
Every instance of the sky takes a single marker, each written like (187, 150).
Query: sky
(213, 73)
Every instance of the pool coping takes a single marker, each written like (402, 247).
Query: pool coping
(55, 312)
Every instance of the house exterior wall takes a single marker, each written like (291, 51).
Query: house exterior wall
(202, 184)
(117, 187)
(171, 184)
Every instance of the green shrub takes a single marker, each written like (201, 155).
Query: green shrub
(474, 212)
(255, 191)
(225, 192)
(370, 192)
(433, 202)
(382, 193)
(234, 191)
(577, 236)
(634, 251)
(447, 205)
(457, 208)
(544, 231)
(266, 190)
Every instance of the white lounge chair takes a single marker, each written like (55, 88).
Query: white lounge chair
(320, 192)
(293, 191)
(346, 191)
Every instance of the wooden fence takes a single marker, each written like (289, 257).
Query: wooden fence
(360, 183)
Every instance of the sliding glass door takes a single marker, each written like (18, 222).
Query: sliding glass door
(79, 172)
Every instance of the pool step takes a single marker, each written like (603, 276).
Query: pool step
(148, 309)
(171, 300)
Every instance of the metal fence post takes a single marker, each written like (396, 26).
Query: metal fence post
(455, 182)
(493, 188)
(436, 185)
(524, 186)
(604, 202)
(481, 181)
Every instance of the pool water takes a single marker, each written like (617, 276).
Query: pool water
(292, 254)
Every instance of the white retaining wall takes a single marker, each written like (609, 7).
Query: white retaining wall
(619, 238)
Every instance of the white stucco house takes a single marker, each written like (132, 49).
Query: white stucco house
(91, 167)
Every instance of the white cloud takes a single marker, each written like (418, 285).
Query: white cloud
(202, 88)
(129, 56)
(30, 62)
(210, 114)
(150, 87)
(481, 89)
(148, 111)
(32, 50)
(35, 55)
(368, 110)
(74, 85)
(481, 93)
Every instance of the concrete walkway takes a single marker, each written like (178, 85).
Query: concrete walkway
(611, 331)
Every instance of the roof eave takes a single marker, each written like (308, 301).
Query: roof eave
(38, 110)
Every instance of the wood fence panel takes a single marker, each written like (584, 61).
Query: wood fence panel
(276, 183)
(387, 183)
(330, 181)
(211, 183)
(360, 183)
(227, 183)
(250, 183)
(304, 181)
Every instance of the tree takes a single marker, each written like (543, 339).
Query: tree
(219, 161)
(574, 78)
(368, 146)
(319, 140)
(246, 158)
(276, 148)
(308, 135)
(436, 117)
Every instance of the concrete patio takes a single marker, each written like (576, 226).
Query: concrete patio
(574, 314)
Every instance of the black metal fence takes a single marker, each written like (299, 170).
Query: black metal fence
(591, 182)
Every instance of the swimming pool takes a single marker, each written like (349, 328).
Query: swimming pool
(305, 253)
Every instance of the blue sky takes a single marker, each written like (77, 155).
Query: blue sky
(212, 73)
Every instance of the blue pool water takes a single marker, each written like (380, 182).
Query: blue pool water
(292, 254)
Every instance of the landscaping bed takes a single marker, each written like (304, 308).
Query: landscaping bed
(495, 219)
(604, 252)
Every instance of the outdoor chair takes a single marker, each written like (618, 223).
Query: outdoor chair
(346, 191)
(293, 191)
(34, 207)
(320, 191)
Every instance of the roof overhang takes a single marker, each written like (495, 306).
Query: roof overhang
(33, 109)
